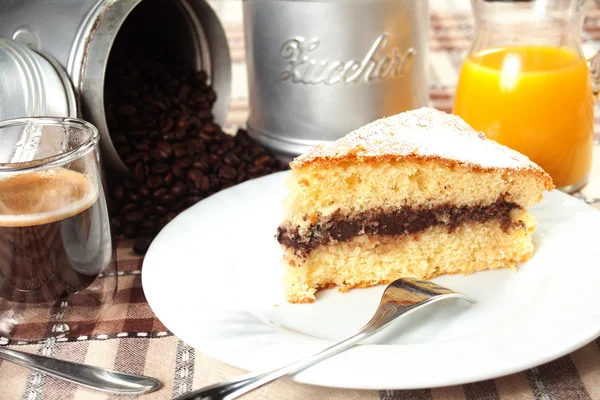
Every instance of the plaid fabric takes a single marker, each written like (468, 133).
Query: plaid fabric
(130, 338)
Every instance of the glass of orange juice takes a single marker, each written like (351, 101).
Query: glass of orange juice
(526, 84)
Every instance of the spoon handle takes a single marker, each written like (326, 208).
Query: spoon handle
(81, 374)
(236, 387)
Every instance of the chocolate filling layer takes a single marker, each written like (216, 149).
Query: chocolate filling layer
(399, 222)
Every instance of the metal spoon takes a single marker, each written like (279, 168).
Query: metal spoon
(81, 374)
(400, 298)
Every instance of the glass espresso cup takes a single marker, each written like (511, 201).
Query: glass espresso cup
(57, 262)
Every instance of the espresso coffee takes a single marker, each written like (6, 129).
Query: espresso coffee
(54, 238)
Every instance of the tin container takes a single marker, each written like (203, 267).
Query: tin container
(57, 52)
(318, 69)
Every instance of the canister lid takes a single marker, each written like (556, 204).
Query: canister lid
(33, 84)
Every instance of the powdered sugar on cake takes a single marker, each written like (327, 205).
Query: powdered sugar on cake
(424, 132)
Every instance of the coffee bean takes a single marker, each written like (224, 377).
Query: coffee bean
(160, 106)
(133, 217)
(119, 140)
(138, 134)
(227, 172)
(165, 200)
(179, 189)
(200, 76)
(133, 158)
(198, 145)
(128, 207)
(180, 135)
(191, 200)
(228, 144)
(180, 150)
(212, 96)
(205, 137)
(199, 165)
(184, 163)
(126, 110)
(133, 197)
(204, 183)
(142, 244)
(182, 123)
(195, 176)
(226, 184)
(143, 147)
(210, 128)
(143, 190)
(256, 151)
(167, 126)
(192, 189)
(255, 171)
(177, 171)
(262, 160)
(205, 115)
(154, 182)
(160, 210)
(154, 154)
(124, 151)
(169, 217)
(147, 209)
(160, 169)
(118, 192)
(134, 123)
(179, 205)
(163, 150)
(169, 179)
(168, 137)
(214, 181)
(191, 152)
(139, 172)
(242, 135)
(160, 193)
(231, 159)
(216, 163)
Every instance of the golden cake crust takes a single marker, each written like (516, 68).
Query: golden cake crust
(422, 136)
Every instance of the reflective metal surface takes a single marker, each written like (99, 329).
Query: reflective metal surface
(85, 375)
(400, 298)
(79, 34)
(32, 84)
(318, 69)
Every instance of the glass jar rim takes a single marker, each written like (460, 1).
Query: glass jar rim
(58, 159)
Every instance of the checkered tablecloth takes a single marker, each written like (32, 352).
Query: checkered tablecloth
(130, 338)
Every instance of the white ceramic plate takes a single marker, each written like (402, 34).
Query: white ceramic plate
(212, 276)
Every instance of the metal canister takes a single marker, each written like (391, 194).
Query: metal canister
(60, 50)
(318, 69)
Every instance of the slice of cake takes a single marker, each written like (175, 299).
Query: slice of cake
(418, 194)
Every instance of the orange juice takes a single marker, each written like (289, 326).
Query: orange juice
(536, 100)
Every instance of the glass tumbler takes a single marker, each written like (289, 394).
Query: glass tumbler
(57, 261)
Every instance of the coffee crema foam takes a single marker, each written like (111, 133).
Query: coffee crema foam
(43, 197)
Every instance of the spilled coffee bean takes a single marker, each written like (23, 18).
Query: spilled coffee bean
(161, 124)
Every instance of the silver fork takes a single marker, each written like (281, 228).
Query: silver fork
(400, 298)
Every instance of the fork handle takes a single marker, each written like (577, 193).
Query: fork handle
(235, 387)
(85, 375)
